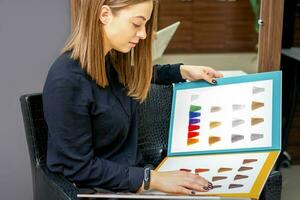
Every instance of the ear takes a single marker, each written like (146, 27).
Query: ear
(105, 15)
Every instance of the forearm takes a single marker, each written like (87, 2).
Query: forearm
(167, 74)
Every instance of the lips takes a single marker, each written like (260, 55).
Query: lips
(132, 44)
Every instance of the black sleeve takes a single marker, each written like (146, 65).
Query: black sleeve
(70, 147)
(167, 74)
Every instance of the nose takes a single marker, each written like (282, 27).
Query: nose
(142, 33)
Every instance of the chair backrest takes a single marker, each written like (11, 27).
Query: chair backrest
(46, 185)
(154, 122)
(35, 128)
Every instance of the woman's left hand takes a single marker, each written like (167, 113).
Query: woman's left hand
(195, 73)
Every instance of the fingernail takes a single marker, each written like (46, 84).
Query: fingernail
(193, 192)
(214, 82)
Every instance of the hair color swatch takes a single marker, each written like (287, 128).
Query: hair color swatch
(200, 170)
(241, 169)
(213, 139)
(232, 186)
(193, 127)
(215, 109)
(255, 121)
(218, 178)
(192, 141)
(194, 108)
(224, 169)
(256, 136)
(238, 177)
(194, 115)
(237, 122)
(256, 90)
(245, 161)
(255, 105)
(217, 186)
(236, 138)
(185, 170)
(194, 97)
(194, 121)
(214, 124)
(237, 107)
(192, 134)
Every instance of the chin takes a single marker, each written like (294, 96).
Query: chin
(124, 49)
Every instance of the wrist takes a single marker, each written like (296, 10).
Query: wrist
(183, 72)
(153, 182)
(141, 189)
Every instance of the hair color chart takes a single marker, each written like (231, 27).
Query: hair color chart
(222, 117)
(229, 173)
(229, 133)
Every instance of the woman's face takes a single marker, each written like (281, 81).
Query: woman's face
(124, 30)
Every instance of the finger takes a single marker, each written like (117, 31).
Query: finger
(195, 182)
(208, 78)
(183, 190)
(197, 186)
(218, 74)
(194, 178)
(199, 180)
(214, 73)
(202, 180)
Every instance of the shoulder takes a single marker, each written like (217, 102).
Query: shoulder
(66, 78)
(64, 67)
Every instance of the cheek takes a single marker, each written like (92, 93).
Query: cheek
(120, 34)
(127, 30)
(124, 34)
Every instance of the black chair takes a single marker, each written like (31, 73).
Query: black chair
(154, 116)
(46, 185)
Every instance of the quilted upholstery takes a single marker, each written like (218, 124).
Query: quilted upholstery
(154, 121)
(272, 189)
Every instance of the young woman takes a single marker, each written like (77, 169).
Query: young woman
(92, 92)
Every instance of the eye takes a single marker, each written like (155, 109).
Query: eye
(136, 25)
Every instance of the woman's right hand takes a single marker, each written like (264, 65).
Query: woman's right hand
(179, 182)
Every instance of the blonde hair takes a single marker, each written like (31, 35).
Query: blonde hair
(86, 44)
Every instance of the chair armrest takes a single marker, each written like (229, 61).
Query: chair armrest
(272, 189)
(53, 186)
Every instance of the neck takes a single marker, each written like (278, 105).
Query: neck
(106, 50)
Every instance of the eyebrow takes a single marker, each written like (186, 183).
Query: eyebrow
(143, 18)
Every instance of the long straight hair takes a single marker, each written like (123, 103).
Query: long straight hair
(86, 45)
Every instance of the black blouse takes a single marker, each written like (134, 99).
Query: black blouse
(92, 131)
